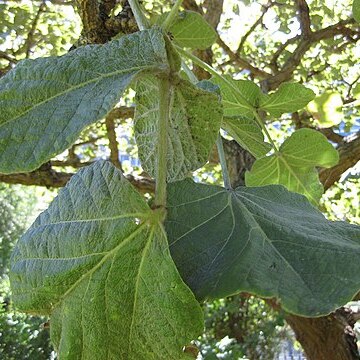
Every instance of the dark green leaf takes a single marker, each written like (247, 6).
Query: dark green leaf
(98, 261)
(266, 241)
(288, 98)
(294, 165)
(195, 118)
(45, 103)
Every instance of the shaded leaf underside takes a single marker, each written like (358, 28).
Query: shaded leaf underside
(195, 118)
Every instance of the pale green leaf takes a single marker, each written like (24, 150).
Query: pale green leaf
(248, 134)
(294, 165)
(290, 97)
(189, 29)
(240, 97)
(265, 241)
(98, 262)
(327, 109)
(356, 10)
(195, 118)
(46, 103)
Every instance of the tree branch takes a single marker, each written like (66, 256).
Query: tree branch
(349, 152)
(286, 73)
(113, 144)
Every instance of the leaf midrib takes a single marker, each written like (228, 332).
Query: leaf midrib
(78, 86)
(101, 262)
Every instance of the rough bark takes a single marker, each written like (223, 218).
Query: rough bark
(330, 337)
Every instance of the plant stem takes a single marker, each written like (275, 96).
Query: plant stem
(161, 165)
(188, 72)
(166, 24)
(224, 169)
(140, 18)
(263, 127)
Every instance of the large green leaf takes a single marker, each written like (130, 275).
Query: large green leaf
(195, 118)
(190, 29)
(98, 261)
(266, 241)
(294, 165)
(356, 10)
(248, 134)
(45, 103)
(288, 98)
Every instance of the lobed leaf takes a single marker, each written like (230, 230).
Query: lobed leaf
(240, 97)
(195, 118)
(46, 103)
(289, 97)
(266, 241)
(98, 262)
(294, 165)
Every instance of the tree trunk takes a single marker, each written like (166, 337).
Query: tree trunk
(330, 337)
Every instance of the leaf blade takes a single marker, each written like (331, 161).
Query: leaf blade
(195, 118)
(265, 241)
(112, 275)
(75, 90)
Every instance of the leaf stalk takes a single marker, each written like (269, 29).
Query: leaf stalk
(224, 169)
(169, 19)
(140, 18)
(162, 145)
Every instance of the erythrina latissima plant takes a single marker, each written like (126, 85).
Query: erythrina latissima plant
(123, 280)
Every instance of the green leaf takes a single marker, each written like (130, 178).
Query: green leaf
(294, 165)
(240, 97)
(288, 98)
(327, 109)
(248, 134)
(195, 118)
(266, 241)
(98, 261)
(46, 103)
(356, 10)
(189, 29)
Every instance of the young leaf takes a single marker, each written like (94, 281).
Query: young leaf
(266, 241)
(46, 103)
(288, 98)
(294, 165)
(239, 97)
(356, 10)
(98, 262)
(248, 134)
(327, 109)
(195, 118)
(189, 29)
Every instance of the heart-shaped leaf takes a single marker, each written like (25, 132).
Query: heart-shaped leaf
(195, 118)
(190, 29)
(98, 262)
(356, 10)
(294, 165)
(267, 241)
(46, 103)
